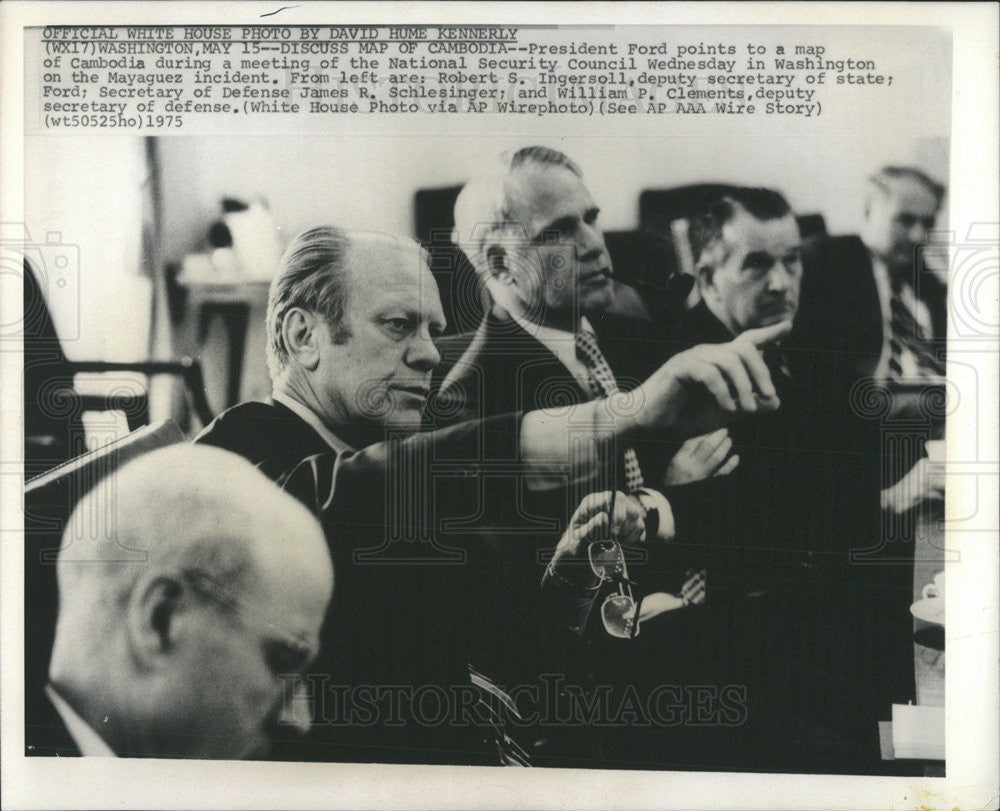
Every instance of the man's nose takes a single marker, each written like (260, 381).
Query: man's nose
(917, 233)
(590, 244)
(422, 354)
(779, 279)
(296, 710)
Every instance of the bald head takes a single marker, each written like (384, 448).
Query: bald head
(185, 562)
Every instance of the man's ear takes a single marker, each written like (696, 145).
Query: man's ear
(154, 618)
(300, 331)
(496, 260)
(705, 276)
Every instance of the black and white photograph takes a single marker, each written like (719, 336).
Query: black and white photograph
(404, 387)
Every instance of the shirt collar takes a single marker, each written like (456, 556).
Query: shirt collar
(559, 342)
(312, 420)
(91, 744)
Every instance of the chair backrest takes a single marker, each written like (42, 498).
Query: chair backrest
(458, 283)
(49, 500)
(90, 467)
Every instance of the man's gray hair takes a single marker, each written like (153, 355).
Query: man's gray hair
(485, 205)
(884, 177)
(312, 275)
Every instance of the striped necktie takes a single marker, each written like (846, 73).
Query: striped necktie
(907, 335)
(602, 383)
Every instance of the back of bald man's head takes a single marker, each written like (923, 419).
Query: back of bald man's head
(175, 509)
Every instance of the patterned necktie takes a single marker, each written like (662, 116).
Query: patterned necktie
(603, 384)
(907, 335)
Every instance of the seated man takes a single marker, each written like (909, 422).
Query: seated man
(191, 589)
(351, 323)
(820, 639)
(878, 303)
(533, 234)
(877, 297)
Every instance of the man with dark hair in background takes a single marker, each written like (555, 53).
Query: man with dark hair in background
(821, 641)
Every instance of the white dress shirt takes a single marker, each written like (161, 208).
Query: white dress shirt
(90, 743)
(562, 344)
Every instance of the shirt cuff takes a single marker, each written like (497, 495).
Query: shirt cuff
(655, 500)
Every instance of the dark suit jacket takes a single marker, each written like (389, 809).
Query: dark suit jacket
(839, 306)
(411, 528)
(832, 640)
(500, 368)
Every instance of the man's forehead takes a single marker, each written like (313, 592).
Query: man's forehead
(290, 598)
(544, 193)
(909, 194)
(385, 262)
(385, 271)
(390, 254)
(745, 232)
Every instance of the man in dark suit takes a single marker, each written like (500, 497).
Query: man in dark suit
(878, 305)
(550, 339)
(881, 298)
(180, 619)
(351, 324)
(821, 642)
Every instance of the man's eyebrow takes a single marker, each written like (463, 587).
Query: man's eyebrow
(756, 258)
(404, 306)
(556, 226)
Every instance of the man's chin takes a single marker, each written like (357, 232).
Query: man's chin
(774, 318)
(599, 299)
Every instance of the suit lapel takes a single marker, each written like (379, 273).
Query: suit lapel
(522, 372)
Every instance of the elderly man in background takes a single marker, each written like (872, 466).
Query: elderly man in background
(351, 323)
(878, 303)
(192, 591)
(901, 208)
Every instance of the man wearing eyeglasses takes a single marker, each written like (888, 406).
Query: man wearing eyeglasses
(191, 594)
(351, 323)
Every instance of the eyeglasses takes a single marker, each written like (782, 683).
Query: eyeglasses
(619, 612)
(300, 649)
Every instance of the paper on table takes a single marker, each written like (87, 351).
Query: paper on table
(918, 732)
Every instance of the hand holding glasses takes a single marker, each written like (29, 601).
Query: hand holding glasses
(619, 612)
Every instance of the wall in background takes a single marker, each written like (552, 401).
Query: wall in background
(83, 199)
(370, 182)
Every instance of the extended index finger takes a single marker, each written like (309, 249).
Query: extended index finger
(765, 336)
